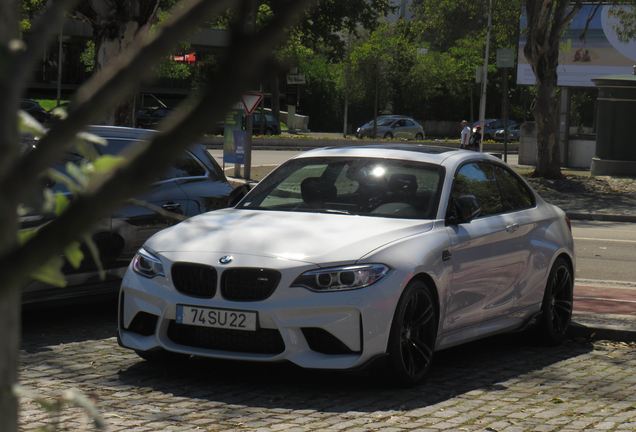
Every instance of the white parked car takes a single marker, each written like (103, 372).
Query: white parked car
(356, 257)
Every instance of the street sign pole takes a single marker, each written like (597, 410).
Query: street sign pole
(250, 102)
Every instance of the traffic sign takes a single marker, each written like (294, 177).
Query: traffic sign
(250, 101)
(505, 58)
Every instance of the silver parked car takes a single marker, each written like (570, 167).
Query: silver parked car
(513, 133)
(393, 127)
(364, 256)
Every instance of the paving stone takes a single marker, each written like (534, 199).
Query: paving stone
(501, 383)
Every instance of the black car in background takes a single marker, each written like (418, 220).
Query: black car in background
(193, 184)
(35, 110)
(149, 118)
(270, 125)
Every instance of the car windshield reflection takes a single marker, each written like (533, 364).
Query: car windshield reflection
(356, 186)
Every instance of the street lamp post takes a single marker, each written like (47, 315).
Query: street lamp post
(484, 84)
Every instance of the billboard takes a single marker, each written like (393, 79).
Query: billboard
(598, 54)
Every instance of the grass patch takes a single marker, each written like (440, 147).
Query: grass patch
(49, 104)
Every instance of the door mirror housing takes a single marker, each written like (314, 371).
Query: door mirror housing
(238, 193)
(466, 209)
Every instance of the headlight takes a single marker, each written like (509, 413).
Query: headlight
(341, 278)
(146, 264)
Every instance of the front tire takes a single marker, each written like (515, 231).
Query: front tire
(388, 135)
(413, 335)
(557, 304)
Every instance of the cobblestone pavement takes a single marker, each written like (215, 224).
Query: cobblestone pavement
(506, 383)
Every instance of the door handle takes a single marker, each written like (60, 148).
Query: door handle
(171, 206)
(512, 227)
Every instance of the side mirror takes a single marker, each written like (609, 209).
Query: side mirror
(238, 193)
(466, 209)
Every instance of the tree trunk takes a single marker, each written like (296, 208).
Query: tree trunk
(116, 27)
(10, 342)
(547, 20)
(9, 295)
(544, 110)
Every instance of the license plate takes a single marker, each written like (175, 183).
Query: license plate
(217, 318)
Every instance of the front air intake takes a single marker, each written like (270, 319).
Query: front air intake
(248, 284)
(196, 280)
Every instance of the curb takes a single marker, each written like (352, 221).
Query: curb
(603, 326)
(601, 217)
(602, 332)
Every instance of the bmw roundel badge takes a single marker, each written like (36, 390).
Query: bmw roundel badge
(226, 259)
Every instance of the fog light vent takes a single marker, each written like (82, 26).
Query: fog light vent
(144, 324)
(322, 341)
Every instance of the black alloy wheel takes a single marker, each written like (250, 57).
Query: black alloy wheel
(557, 303)
(419, 137)
(413, 335)
(388, 135)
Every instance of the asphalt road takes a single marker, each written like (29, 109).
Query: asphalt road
(605, 251)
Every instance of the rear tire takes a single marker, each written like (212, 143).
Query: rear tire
(413, 336)
(557, 304)
(419, 137)
(162, 356)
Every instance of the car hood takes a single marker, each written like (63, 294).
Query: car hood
(306, 237)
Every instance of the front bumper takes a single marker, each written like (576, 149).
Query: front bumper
(327, 330)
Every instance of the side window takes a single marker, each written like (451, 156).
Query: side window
(183, 166)
(270, 118)
(478, 179)
(514, 194)
(115, 146)
(409, 123)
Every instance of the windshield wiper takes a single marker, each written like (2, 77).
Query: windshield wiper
(337, 211)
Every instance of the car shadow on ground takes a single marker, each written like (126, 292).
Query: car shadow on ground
(43, 327)
(487, 365)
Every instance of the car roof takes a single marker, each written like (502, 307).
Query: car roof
(426, 153)
(121, 132)
(439, 155)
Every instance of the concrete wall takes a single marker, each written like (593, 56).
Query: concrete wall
(580, 149)
(450, 129)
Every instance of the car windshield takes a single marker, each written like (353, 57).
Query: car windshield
(346, 185)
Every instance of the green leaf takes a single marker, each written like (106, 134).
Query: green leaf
(25, 234)
(92, 138)
(61, 203)
(86, 149)
(28, 124)
(64, 179)
(51, 273)
(59, 112)
(74, 254)
(108, 163)
(78, 174)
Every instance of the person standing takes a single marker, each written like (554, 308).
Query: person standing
(463, 144)
(475, 139)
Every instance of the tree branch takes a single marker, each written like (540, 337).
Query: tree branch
(102, 92)
(242, 66)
